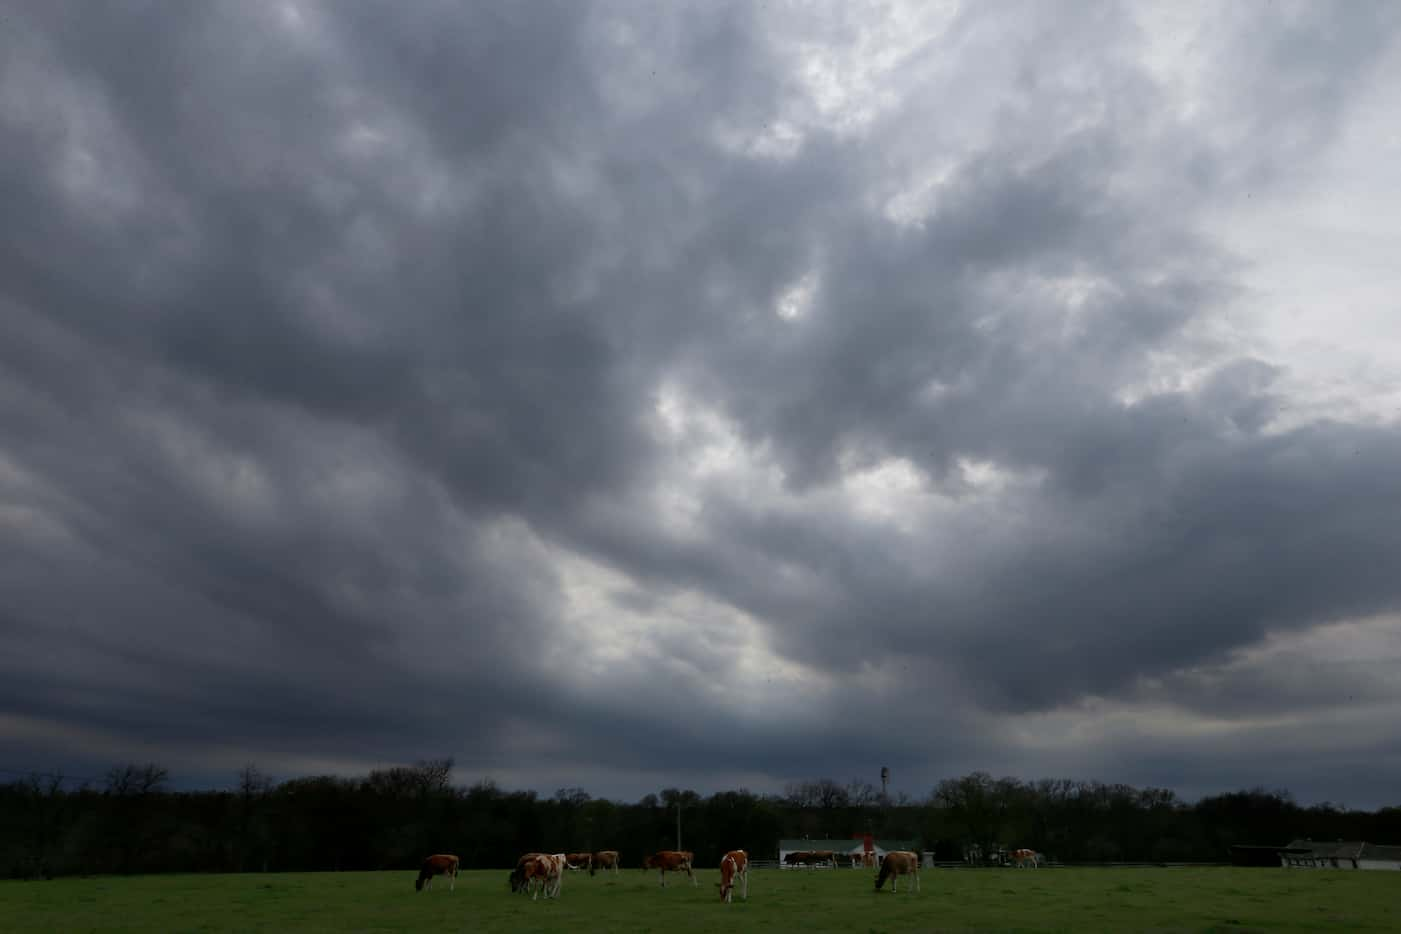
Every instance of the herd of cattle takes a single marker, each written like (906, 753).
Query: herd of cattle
(537, 873)
(830, 858)
(543, 873)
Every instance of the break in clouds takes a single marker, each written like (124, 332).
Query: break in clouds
(703, 394)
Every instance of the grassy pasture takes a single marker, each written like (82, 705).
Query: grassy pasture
(1206, 899)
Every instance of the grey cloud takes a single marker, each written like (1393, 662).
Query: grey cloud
(322, 340)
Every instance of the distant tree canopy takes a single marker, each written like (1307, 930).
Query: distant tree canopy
(391, 818)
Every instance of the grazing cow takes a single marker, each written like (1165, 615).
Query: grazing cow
(898, 863)
(1024, 857)
(604, 859)
(671, 861)
(556, 872)
(541, 872)
(578, 861)
(800, 858)
(734, 865)
(520, 882)
(439, 864)
(810, 857)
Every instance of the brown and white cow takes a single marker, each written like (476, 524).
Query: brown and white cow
(539, 872)
(1023, 857)
(898, 863)
(810, 857)
(439, 864)
(520, 882)
(671, 861)
(579, 861)
(550, 868)
(604, 859)
(734, 865)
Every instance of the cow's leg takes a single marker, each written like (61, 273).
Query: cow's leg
(694, 883)
(663, 872)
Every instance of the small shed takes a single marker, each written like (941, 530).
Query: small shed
(1340, 854)
(1320, 854)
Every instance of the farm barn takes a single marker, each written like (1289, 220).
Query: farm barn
(851, 847)
(1311, 854)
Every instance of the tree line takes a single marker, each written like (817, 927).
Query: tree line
(130, 821)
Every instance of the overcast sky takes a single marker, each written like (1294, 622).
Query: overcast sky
(706, 395)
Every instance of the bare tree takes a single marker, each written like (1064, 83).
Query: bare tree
(861, 794)
(253, 830)
(132, 779)
(252, 782)
(572, 797)
(823, 793)
(423, 778)
(43, 811)
(435, 775)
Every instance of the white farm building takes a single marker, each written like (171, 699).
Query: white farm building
(1350, 854)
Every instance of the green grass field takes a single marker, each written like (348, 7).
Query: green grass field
(1206, 899)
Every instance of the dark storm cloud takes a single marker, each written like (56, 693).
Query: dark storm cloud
(334, 338)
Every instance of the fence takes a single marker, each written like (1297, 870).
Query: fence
(1056, 864)
(1049, 864)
